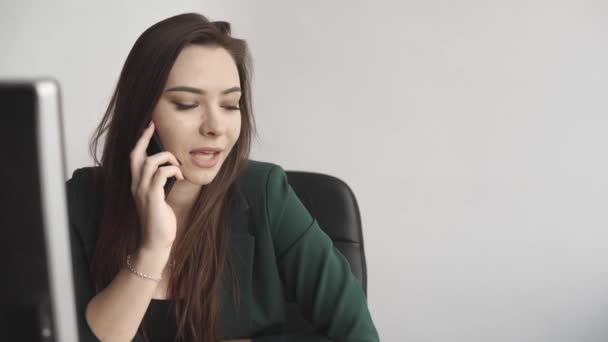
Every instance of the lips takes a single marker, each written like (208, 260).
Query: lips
(204, 154)
(204, 160)
(206, 150)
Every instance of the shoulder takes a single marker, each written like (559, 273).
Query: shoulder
(263, 185)
(273, 201)
(83, 196)
(259, 178)
(82, 183)
(256, 172)
(82, 177)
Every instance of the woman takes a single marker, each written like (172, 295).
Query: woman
(215, 257)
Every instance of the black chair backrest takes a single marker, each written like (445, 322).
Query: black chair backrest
(333, 204)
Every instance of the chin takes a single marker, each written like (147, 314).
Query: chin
(201, 177)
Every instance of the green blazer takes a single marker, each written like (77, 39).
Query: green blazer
(278, 250)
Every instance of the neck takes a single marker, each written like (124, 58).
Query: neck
(182, 197)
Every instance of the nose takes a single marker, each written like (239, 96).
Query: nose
(212, 123)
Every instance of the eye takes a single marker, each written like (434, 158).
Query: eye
(232, 107)
(183, 106)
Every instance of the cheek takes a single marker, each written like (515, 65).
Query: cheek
(163, 114)
(177, 130)
(236, 129)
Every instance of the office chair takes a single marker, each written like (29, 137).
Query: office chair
(333, 204)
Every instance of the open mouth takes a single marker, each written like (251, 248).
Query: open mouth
(203, 155)
(204, 159)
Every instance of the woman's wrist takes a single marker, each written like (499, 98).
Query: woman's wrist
(160, 253)
(150, 261)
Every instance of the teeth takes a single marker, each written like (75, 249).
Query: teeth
(204, 155)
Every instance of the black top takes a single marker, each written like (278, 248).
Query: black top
(160, 321)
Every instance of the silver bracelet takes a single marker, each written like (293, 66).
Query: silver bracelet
(139, 273)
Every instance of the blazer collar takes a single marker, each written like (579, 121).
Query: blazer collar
(240, 207)
(236, 319)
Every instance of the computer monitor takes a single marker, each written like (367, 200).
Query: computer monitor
(36, 285)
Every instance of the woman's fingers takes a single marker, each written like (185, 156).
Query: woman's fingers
(160, 177)
(153, 163)
(138, 155)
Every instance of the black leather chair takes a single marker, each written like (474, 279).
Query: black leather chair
(333, 204)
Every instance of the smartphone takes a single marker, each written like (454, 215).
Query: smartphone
(154, 147)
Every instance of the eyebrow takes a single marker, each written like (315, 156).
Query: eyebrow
(201, 91)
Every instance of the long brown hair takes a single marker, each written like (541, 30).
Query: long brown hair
(199, 253)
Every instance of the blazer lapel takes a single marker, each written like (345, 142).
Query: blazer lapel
(235, 317)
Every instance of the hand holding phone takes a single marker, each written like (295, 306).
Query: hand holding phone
(155, 146)
(148, 176)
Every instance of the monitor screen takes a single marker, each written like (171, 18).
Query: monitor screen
(36, 288)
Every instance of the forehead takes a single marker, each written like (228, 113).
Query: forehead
(207, 67)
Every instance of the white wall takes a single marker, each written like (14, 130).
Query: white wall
(472, 133)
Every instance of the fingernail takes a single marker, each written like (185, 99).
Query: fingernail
(150, 123)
